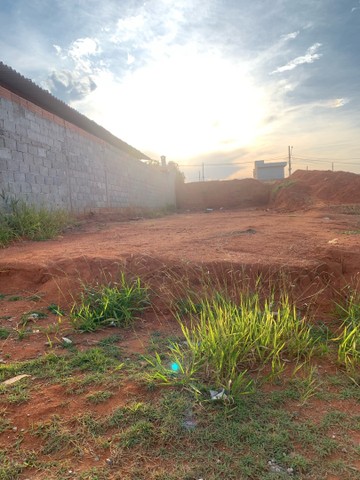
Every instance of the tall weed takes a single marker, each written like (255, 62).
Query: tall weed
(21, 220)
(104, 305)
(349, 338)
(224, 339)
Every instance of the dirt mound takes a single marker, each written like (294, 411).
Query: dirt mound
(217, 194)
(309, 188)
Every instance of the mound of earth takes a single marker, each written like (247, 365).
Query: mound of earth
(313, 188)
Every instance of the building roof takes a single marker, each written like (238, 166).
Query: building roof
(262, 164)
(27, 89)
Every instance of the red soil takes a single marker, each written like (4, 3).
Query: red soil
(311, 188)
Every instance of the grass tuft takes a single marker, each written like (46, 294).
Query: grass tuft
(109, 305)
(224, 339)
(21, 220)
(349, 338)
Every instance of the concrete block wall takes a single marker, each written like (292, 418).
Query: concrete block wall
(48, 161)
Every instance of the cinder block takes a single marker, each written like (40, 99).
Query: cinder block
(25, 187)
(15, 188)
(24, 167)
(19, 177)
(30, 178)
(39, 179)
(5, 153)
(44, 171)
(48, 181)
(34, 168)
(33, 149)
(35, 188)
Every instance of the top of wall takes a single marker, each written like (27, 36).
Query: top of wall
(262, 164)
(27, 89)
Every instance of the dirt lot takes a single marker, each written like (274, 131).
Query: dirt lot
(316, 246)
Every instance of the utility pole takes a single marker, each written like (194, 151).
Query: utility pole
(203, 171)
(289, 152)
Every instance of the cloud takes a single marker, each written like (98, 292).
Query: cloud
(70, 85)
(76, 81)
(290, 36)
(338, 102)
(309, 57)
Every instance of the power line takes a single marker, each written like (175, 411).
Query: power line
(314, 160)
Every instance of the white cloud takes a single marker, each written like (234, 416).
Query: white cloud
(128, 28)
(58, 49)
(130, 59)
(290, 36)
(309, 57)
(84, 47)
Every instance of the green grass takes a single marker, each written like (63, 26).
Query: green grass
(110, 305)
(178, 432)
(14, 298)
(349, 338)
(224, 339)
(55, 309)
(147, 436)
(99, 397)
(17, 393)
(57, 367)
(4, 333)
(21, 220)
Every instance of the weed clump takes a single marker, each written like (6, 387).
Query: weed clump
(21, 220)
(224, 339)
(109, 305)
(349, 338)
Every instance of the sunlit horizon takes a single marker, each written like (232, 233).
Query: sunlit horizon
(219, 83)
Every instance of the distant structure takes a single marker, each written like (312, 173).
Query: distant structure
(269, 171)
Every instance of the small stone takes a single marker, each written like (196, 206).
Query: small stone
(97, 459)
(67, 341)
(14, 429)
(109, 461)
(12, 380)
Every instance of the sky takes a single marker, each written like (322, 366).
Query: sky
(219, 83)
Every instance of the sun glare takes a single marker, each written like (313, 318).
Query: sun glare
(185, 105)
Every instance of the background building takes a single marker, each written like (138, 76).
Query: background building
(269, 171)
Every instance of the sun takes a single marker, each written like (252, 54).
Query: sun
(185, 105)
